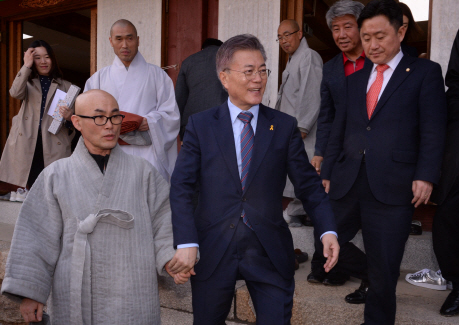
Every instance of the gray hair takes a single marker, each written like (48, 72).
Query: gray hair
(343, 7)
(236, 43)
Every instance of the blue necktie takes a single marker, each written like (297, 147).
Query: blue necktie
(247, 137)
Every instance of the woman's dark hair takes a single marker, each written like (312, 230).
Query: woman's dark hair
(388, 8)
(55, 71)
(413, 31)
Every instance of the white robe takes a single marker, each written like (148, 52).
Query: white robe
(94, 241)
(299, 96)
(146, 90)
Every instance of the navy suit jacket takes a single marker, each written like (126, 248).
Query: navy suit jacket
(332, 95)
(208, 156)
(402, 142)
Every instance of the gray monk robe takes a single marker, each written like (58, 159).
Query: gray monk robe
(95, 241)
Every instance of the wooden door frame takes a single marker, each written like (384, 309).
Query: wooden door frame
(11, 54)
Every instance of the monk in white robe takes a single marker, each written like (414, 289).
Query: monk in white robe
(94, 231)
(299, 96)
(143, 89)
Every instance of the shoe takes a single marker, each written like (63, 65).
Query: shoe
(21, 194)
(451, 305)
(427, 279)
(358, 296)
(301, 257)
(13, 196)
(416, 228)
(5, 197)
(306, 220)
(335, 279)
(316, 277)
(292, 221)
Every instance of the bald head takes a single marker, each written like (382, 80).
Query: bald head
(290, 23)
(91, 108)
(123, 23)
(86, 101)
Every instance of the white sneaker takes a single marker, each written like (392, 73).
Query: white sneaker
(13, 196)
(21, 194)
(427, 278)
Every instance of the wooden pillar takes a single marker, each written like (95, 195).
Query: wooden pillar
(93, 42)
(15, 57)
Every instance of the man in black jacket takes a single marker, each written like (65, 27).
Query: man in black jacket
(446, 220)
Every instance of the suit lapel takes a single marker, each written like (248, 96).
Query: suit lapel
(263, 136)
(395, 81)
(224, 135)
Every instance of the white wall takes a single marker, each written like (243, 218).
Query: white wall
(260, 18)
(445, 24)
(144, 14)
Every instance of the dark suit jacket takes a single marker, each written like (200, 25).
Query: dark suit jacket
(402, 142)
(198, 87)
(332, 95)
(450, 167)
(208, 155)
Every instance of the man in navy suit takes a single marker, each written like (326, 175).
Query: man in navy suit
(342, 21)
(385, 150)
(240, 154)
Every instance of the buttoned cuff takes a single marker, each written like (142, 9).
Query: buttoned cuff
(189, 245)
(329, 232)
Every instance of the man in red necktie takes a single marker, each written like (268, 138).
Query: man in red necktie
(384, 152)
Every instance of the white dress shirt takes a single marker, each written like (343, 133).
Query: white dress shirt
(387, 74)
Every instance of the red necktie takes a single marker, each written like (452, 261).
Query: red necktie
(375, 89)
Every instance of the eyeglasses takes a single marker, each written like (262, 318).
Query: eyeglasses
(102, 120)
(286, 37)
(250, 74)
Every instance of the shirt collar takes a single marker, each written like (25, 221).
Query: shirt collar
(345, 58)
(392, 63)
(234, 111)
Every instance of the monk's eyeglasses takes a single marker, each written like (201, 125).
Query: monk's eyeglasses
(250, 74)
(102, 120)
(285, 37)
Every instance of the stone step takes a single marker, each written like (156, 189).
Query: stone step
(319, 304)
(418, 254)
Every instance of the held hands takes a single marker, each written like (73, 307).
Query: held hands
(316, 162)
(31, 310)
(181, 267)
(303, 135)
(28, 57)
(65, 112)
(421, 192)
(331, 251)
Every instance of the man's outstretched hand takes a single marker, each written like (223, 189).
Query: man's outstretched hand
(331, 251)
(179, 278)
(31, 310)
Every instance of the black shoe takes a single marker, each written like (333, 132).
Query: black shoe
(358, 296)
(306, 220)
(301, 256)
(316, 277)
(335, 279)
(451, 305)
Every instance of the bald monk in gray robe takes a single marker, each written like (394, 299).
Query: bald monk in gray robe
(94, 231)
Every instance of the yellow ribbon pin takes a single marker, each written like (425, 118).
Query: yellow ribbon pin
(271, 128)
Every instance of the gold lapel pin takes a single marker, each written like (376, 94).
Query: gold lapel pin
(271, 128)
(407, 69)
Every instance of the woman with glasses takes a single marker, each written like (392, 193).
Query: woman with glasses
(30, 146)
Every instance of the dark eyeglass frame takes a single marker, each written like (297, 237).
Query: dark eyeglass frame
(286, 36)
(106, 118)
(252, 76)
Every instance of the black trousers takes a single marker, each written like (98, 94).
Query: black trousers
(385, 230)
(445, 235)
(245, 259)
(38, 162)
